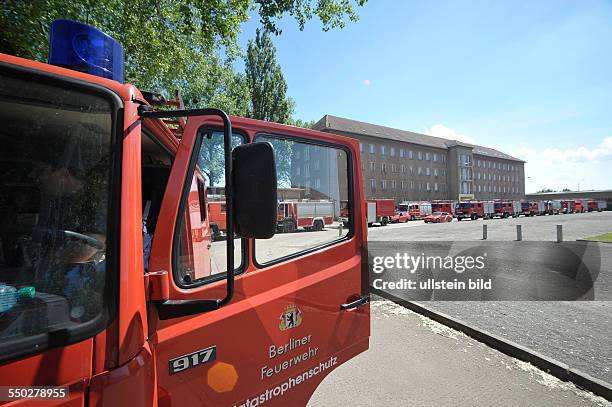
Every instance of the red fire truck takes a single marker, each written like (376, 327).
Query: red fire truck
(310, 215)
(474, 210)
(442, 206)
(596, 206)
(531, 208)
(379, 211)
(416, 210)
(504, 209)
(568, 206)
(107, 290)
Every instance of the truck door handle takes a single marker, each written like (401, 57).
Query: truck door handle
(360, 302)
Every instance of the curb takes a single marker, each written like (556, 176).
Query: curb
(594, 241)
(558, 369)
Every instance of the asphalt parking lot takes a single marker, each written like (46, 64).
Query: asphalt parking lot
(535, 228)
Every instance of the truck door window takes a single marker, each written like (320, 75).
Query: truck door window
(200, 255)
(55, 170)
(313, 199)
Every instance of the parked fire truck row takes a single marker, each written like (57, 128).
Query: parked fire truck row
(379, 209)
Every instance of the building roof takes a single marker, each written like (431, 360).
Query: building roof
(329, 122)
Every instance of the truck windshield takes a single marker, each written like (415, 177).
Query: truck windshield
(498, 205)
(54, 186)
(464, 205)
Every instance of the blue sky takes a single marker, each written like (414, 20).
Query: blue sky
(533, 79)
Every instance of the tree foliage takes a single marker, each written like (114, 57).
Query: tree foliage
(266, 81)
(170, 44)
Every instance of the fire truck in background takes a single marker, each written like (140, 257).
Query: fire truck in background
(416, 210)
(596, 206)
(505, 209)
(110, 292)
(380, 211)
(552, 207)
(532, 208)
(309, 215)
(474, 210)
(580, 205)
(568, 206)
(442, 206)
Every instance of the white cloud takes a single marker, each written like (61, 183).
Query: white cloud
(440, 130)
(584, 167)
(551, 156)
(367, 82)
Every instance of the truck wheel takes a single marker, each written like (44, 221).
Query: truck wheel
(384, 221)
(412, 217)
(369, 224)
(474, 216)
(289, 227)
(459, 218)
(318, 225)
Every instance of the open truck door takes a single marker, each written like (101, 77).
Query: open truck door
(293, 306)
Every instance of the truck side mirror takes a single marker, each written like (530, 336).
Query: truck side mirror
(254, 190)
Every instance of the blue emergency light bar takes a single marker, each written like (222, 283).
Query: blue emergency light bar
(86, 49)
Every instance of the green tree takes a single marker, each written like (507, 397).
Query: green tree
(266, 81)
(545, 190)
(307, 124)
(168, 45)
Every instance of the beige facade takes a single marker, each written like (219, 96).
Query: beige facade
(408, 166)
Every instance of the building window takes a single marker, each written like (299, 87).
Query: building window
(318, 183)
(436, 186)
(478, 187)
(361, 147)
(383, 184)
(443, 158)
(393, 184)
(420, 155)
(411, 170)
(427, 156)
(383, 167)
(428, 187)
(297, 171)
(372, 166)
(373, 183)
(382, 150)
(410, 154)
(401, 153)
(420, 171)
(444, 172)
(392, 151)
(435, 172)
(435, 157)
(403, 168)
(372, 149)
(307, 170)
(411, 184)
(317, 164)
(428, 171)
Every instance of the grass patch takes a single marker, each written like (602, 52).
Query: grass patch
(606, 237)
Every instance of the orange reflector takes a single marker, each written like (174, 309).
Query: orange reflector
(222, 377)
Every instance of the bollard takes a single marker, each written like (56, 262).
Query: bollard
(484, 232)
(559, 233)
(340, 229)
(519, 233)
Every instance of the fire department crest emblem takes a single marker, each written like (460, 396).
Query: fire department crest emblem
(290, 318)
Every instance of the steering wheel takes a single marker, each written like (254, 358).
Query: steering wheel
(90, 241)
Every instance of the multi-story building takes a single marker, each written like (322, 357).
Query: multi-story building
(408, 166)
